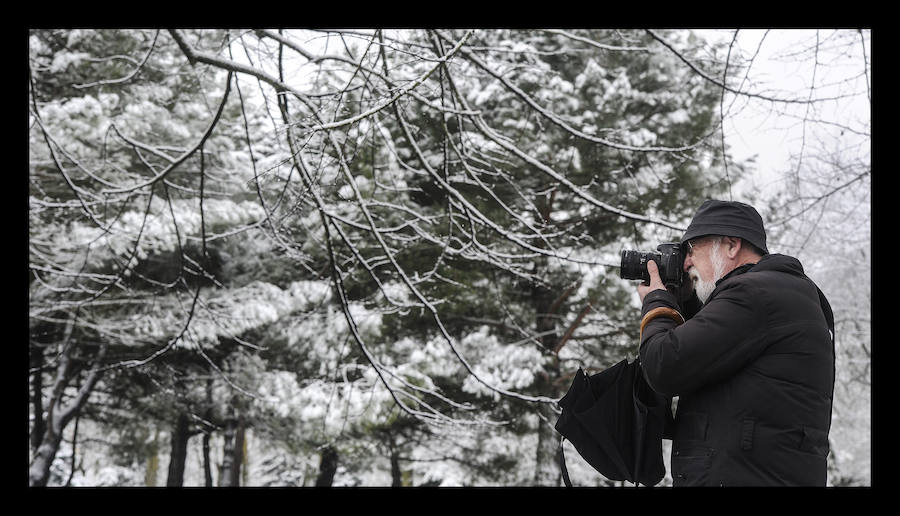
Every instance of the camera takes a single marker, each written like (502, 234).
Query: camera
(669, 260)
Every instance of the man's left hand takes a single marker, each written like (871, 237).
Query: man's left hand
(655, 282)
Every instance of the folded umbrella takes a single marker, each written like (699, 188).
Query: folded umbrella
(616, 422)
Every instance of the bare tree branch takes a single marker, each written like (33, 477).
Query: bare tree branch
(719, 83)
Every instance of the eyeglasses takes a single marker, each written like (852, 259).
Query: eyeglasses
(691, 244)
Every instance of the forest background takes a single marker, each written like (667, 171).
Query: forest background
(378, 257)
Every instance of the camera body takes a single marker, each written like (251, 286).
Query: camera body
(669, 259)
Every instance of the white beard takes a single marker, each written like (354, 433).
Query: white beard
(703, 288)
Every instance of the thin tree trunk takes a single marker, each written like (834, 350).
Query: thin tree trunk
(547, 472)
(39, 472)
(152, 462)
(178, 455)
(72, 464)
(37, 385)
(327, 467)
(207, 465)
(228, 453)
(245, 456)
(229, 474)
(396, 473)
(59, 415)
(238, 453)
(547, 307)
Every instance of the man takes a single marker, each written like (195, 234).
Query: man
(753, 368)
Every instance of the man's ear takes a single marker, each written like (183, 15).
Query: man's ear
(734, 246)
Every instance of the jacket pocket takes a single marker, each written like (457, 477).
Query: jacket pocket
(691, 467)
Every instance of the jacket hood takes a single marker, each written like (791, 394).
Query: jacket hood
(769, 262)
(779, 262)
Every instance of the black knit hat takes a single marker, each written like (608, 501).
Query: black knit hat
(728, 218)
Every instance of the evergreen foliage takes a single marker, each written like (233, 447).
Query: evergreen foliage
(344, 263)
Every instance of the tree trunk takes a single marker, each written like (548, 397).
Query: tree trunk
(547, 472)
(152, 462)
(238, 453)
(396, 474)
(546, 306)
(37, 385)
(225, 479)
(230, 472)
(327, 467)
(178, 454)
(207, 465)
(59, 416)
(39, 472)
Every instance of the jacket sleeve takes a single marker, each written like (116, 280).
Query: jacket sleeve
(723, 337)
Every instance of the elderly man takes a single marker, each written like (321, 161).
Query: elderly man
(753, 367)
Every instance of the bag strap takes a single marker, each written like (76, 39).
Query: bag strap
(562, 463)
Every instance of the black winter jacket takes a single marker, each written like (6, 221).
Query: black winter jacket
(754, 373)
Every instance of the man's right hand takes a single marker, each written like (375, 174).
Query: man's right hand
(655, 282)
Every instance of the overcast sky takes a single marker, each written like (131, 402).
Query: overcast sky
(786, 67)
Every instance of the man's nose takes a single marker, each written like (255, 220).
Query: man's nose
(687, 263)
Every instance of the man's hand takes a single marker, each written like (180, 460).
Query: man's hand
(655, 282)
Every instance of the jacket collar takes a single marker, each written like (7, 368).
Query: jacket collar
(769, 262)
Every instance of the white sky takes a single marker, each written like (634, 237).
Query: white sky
(786, 68)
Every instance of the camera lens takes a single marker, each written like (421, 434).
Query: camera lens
(633, 265)
(669, 262)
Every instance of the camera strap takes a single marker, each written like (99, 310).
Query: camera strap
(661, 311)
